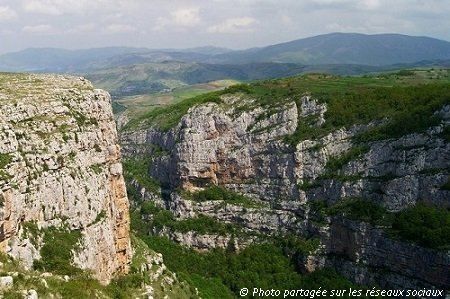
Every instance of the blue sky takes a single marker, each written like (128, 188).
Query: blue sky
(224, 23)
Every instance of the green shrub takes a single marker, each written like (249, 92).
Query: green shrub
(306, 129)
(293, 245)
(149, 208)
(5, 159)
(406, 100)
(217, 193)
(328, 279)
(32, 231)
(225, 273)
(167, 117)
(336, 163)
(82, 285)
(163, 218)
(56, 253)
(363, 210)
(405, 73)
(319, 211)
(97, 168)
(209, 287)
(138, 169)
(201, 224)
(100, 216)
(121, 286)
(426, 225)
(308, 185)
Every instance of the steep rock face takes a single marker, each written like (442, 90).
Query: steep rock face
(62, 167)
(213, 146)
(409, 265)
(244, 150)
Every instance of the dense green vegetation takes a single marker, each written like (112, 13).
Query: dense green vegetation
(335, 164)
(222, 273)
(139, 105)
(426, 225)
(138, 169)
(57, 251)
(405, 101)
(405, 106)
(5, 159)
(359, 209)
(167, 117)
(295, 247)
(80, 285)
(217, 193)
(201, 224)
(225, 273)
(57, 258)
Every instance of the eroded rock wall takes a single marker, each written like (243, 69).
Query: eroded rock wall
(62, 168)
(245, 150)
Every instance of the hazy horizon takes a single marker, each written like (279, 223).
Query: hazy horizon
(206, 46)
(233, 24)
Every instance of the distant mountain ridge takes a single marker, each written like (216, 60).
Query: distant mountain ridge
(347, 48)
(59, 60)
(328, 49)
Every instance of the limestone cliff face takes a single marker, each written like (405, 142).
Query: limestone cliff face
(61, 166)
(244, 150)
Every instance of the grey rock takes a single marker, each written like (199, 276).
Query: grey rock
(6, 282)
(245, 152)
(65, 167)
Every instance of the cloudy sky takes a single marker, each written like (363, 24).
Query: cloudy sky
(225, 23)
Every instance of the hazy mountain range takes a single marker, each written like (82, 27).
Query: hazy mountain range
(347, 48)
(125, 71)
(334, 48)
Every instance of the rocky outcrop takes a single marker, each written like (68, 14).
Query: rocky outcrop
(202, 242)
(213, 144)
(244, 149)
(397, 264)
(61, 166)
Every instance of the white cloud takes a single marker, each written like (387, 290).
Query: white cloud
(181, 18)
(186, 17)
(186, 23)
(330, 3)
(345, 4)
(371, 4)
(43, 7)
(119, 28)
(234, 25)
(7, 13)
(61, 7)
(39, 29)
